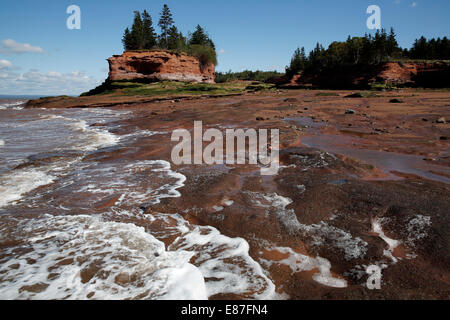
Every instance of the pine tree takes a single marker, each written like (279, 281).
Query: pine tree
(199, 37)
(392, 43)
(149, 35)
(175, 39)
(137, 33)
(126, 40)
(165, 23)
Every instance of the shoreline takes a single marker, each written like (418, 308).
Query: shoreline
(310, 227)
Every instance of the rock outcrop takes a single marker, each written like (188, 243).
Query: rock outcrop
(159, 66)
(402, 74)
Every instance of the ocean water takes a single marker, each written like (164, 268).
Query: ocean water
(71, 226)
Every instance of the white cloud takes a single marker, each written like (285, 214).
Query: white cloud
(11, 46)
(221, 51)
(414, 4)
(47, 83)
(5, 64)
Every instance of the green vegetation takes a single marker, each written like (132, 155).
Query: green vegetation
(246, 75)
(170, 89)
(142, 36)
(364, 51)
(258, 86)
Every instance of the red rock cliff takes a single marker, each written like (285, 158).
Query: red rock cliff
(159, 66)
(406, 74)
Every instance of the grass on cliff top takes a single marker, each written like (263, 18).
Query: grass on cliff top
(173, 89)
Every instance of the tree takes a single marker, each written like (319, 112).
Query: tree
(392, 43)
(142, 36)
(149, 34)
(165, 23)
(126, 40)
(199, 37)
(175, 39)
(137, 33)
(298, 62)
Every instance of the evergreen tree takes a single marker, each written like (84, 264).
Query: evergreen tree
(298, 62)
(392, 43)
(165, 23)
(149, 35)
(126, 40)
(137, 33)
(142, 36)
(200, 37)
(175, 39)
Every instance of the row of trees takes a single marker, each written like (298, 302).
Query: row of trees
(143, 36)
(364, 51)
(434, 49)
(367, 50)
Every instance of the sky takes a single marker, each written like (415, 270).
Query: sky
(39, 55)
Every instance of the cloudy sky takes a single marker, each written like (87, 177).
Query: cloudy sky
(39, 55)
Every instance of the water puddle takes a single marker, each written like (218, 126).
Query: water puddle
(388, 161)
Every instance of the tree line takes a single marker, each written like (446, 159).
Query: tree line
(142, 36)
(433, 49)
(364, 51)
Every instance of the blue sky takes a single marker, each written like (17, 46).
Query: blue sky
(42, 56)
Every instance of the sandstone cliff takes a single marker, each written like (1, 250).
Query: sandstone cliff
(402, 74)
(159, 66)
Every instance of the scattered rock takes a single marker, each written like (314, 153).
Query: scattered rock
(424, 119)
(443, 138)
(441, 120)
(259, 119)
(350, 111)
(395, 101)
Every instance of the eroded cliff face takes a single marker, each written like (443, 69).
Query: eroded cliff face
(402, 74)
(159, 66)
(416, 74)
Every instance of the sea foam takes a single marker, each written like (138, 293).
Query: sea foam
(84, 257)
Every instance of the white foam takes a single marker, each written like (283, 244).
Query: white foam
(95, 137)
(299, 263)
(224, 260)
(141, 133)
(14, 105)
(321, 234)
(15, 184)
(228, 203)
(377, 228)
(88, 138)
(81, 257)
(418, 229)
(2, 143)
